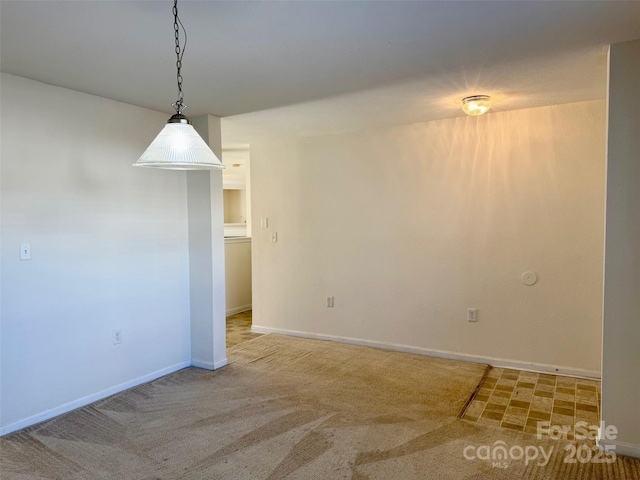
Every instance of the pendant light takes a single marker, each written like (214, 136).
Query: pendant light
(178, 146)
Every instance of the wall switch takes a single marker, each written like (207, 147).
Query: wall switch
(330, 302)
(25, 251)
(264, 222)
(472, 315)
(274, 237)
(117, 336)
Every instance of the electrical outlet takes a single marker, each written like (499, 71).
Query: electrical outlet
(472, 315)
(117, 336)
(264, 222)
(330, 302)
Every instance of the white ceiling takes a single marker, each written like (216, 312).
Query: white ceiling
(276, 68)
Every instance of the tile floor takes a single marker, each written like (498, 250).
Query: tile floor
(519, 400)
(239, 329)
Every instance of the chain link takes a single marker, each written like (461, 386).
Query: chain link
(177, 24)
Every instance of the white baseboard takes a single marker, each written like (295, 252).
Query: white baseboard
(621, 448)
(220, 363)
(203, 364)
(494, 362)
(209, 365)
(243, 308)
(81, 402)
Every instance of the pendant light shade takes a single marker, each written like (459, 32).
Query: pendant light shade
(179, 147)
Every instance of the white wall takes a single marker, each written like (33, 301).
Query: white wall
(621, 348)
(237, 260)
(409, 226)
(109, 251)
(206, 255)
(234, 205)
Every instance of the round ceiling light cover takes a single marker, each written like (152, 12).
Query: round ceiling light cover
(476, 104)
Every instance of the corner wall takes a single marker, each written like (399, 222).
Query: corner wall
(206, 255)
(621, 347)
(409, 226)
(109, 251)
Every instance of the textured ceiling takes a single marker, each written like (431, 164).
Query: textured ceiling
(312, 67)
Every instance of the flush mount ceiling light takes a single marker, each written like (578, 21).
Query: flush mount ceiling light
(178, 146)
(476, 105)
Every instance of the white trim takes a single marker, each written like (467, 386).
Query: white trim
(621, 448)
(220, 363)
(494, 362)
(94, 397)
(237, 239)
(209, 365)
(243, 308)
(203, 364)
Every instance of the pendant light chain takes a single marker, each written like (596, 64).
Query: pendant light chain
(177, 24)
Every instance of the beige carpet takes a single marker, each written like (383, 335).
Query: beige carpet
(288, 408)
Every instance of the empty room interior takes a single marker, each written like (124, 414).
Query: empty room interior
(372, 240)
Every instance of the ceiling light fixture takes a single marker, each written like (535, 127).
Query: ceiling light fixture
(178, 146)
(476, 105)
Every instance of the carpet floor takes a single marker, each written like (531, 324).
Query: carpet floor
(297, 409)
